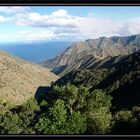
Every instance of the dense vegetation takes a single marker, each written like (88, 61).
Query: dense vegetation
(121, 80)
(69, 109)
(102, 101)
(63, 110)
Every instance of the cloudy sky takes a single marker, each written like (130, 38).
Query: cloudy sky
(53, 23)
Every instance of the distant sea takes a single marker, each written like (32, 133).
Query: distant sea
(35, 52)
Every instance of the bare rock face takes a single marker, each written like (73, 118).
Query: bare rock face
(99, 48)
(20, 79)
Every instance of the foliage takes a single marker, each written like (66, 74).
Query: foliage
(99, 116)
(76, 124)
(99, 122)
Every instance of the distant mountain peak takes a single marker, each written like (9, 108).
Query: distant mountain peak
(99, 48)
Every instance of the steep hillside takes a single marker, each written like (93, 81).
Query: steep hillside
(99, 48)
(19, 79)
(120, 79)
(108, 103)
(88, 62)
(82, 63)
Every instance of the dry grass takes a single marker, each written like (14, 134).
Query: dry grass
(20, 79)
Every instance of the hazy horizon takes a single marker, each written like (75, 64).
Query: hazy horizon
(35, 52)
(37, 33)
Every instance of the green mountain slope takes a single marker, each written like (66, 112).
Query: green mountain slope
(120, 79)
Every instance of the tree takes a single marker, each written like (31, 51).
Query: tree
(73, 97)
(99, 122)
(98, 99)
(54, 121)
(11, 124)
(76, 124)
(82, 94)
(58, 112)
(99, 117)
(28, 112)
(123, 123)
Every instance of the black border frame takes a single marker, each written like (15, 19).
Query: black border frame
(70, 3)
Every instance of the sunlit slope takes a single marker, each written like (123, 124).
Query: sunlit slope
(20, 79)
(92, 50)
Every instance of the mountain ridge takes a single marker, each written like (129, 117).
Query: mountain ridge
(99, 48)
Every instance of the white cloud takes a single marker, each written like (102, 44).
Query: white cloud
(60, 13)
(13, 9)
(95, 27)
(61, 22)
(8, 37)
(11, 12)
(62, 25)
(29, 35)
(35, 35)
(2, 19)
(59, 18)
(34, 17)
(131, 27)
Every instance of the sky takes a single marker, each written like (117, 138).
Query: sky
(67, 23)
